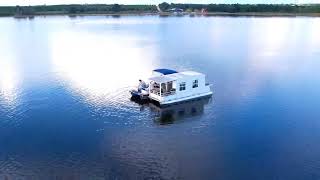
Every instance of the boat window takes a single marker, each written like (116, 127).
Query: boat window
(169, 86)
(195, 84)
(182, 86)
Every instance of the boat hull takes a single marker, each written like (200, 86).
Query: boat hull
(137, 95)
(185, 99)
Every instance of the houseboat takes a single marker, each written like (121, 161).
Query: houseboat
(167, 86)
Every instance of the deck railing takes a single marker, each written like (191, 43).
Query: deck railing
(163, 94)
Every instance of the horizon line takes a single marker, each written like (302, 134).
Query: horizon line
(160, 3)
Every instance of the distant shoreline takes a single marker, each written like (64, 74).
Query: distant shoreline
(164, 9)
(265, 14)
(221, 14)
(86, 14)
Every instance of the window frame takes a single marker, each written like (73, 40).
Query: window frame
(195, 83)
(182, 86)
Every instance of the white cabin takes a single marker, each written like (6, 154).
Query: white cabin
(168, 86)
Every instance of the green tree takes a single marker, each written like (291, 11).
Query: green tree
(72, 10)
(19, 10)
(116, 8)
(164, 6)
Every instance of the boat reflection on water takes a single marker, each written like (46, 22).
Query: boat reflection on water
(178, 112)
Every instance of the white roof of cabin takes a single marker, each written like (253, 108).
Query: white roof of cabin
(162, 79)
(175, 76)
(191, 73)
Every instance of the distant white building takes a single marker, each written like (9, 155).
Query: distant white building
(176, 10)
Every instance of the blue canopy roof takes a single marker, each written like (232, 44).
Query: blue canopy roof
(165, 71)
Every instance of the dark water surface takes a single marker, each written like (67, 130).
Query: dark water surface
(65, 110)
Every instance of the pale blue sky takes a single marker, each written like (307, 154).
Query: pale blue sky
(35, 2)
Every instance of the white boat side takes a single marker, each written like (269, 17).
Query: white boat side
(178, 86)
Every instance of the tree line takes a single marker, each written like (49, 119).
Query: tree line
(117, 8)
(75, 9)
(239, 8)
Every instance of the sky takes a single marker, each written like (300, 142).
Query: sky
(48, 2)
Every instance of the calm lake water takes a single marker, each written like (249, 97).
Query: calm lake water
(65, 110)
